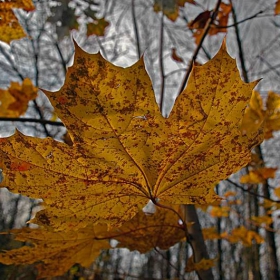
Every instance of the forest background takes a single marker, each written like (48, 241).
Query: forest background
(241, 233)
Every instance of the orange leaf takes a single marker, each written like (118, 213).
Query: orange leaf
(277, 192)
(220, 22)
(222, 211)
(277, 8)
(204, 264)
(175, 56)
(210, 233)
(259, 175)
(267, 220)
(14, 100)
(242, 234)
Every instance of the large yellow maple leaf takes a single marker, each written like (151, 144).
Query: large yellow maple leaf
(10, 29)
(125, 152)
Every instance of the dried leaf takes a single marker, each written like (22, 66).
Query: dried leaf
(14, 100)
(259, 175)
(124, 151)
(175, 56)
(260, 220)
(277, 8)
(277, 192)
(55, 252)
(219, 211)
(255, 116)
(210, 233)
(229, 193)
(204, 264)
(10, 29)
(242, 234)
(219, 25)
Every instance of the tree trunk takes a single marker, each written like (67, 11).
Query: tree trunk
(196, 241)
(269, 234)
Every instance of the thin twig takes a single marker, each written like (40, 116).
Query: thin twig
(250, 192)
(161, 65)
(135, 29)
(41, 121)
(238, 22)
(239, 43)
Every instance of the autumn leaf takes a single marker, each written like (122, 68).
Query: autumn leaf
(272, 117)
(124, 151)
(219, 211)
(229, 193)
(242, 234)
(255, 115)
(175, 56)
(10, 29)
(145, 232)
(204, 264)
(259, 175)
(277, 191)
(54, 253)
(219, 25)
(170, 8)
(277, 8)
(14, 100)
(97, 27)
(259, 220)
(210, 233)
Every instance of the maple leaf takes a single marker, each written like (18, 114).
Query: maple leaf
(256, 116)
(124, 151)
(242, 234)
(54, 253)
(277, 191)
(220, 22)
(210, 233)
(219, 211)
(145, 232)
(259, 175)
(203, 264)
(10, 29)
(259, 220)
(14, 100)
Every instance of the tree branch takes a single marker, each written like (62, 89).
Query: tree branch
(41, 121)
